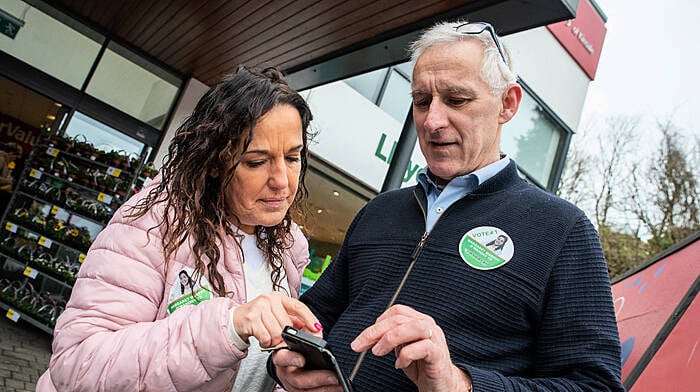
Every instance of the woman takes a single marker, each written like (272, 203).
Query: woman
(220, 210)
(185, 288)
(497, 245)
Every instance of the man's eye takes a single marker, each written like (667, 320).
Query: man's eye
(421, 103)
(457, 101)
(293, 158)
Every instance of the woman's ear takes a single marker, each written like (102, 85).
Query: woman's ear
(511, 103)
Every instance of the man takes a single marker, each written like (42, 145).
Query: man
(537, 315)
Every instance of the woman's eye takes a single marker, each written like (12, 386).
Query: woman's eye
(255, 163)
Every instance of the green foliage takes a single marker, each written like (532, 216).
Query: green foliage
(667, 239)
(622, 251)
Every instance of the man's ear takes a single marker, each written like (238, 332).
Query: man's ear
(511, 102)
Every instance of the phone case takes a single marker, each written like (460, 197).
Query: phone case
(316, 352)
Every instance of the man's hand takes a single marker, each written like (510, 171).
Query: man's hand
(294, 378)
(420, 347)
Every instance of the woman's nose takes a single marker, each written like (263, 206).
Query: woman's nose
(278, 175)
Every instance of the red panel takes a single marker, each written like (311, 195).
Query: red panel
(645, 300)
(676, 365)
(582, 37)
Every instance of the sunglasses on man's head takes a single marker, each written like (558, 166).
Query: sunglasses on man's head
(478, 28)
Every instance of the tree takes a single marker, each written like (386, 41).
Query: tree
(575, 177)
(595, 173)
(615, 145)
(632, 195)
(664, 192)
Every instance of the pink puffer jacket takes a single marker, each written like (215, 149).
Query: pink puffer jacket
(116, 333)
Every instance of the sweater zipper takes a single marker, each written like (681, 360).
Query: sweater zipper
(412, 262)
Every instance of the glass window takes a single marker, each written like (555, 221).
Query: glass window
(102, 136)
(396, 98)
(532, 139)
(134, 86)
(406, 68)
(49, 45)
(369, 84)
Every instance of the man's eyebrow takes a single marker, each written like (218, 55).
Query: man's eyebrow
(450, 90)
(459, 90)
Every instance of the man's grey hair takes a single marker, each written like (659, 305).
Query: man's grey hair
(494, 72)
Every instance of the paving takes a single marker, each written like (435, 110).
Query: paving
(24, 355)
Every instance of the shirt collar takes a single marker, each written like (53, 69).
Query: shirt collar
(425, 178)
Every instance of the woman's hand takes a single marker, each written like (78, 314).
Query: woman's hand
(266, 316)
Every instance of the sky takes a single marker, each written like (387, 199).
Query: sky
(649, 68)
(649, 65)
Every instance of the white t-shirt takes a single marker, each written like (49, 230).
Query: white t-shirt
(252, 373)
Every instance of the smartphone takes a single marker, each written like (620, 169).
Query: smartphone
(316, 351)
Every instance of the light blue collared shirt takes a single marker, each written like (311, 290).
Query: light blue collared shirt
(439, 199)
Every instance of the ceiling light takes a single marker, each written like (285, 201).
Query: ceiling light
(50, 117)
(57, 104)
(320, 210)
(336, 193)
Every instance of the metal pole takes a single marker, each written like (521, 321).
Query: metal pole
(402, 154)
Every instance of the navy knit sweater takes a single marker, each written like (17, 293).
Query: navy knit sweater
(544, 321)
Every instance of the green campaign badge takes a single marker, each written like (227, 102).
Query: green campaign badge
(188, 289)
(486, 248)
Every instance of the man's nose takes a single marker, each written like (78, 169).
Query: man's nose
(436, 117)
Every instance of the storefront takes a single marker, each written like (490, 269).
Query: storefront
(87, 113)
(82, 98)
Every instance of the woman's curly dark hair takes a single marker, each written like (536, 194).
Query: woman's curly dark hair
(217, 133)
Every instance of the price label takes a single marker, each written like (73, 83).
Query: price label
(107, 199)
(114, 172)
(55, 210)
(45, 242)
(31, 272)
(82, 257)
(52, 151)
(12, 315)
(11, 227)
(35, 174)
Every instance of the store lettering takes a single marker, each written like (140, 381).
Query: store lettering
(18, 134)
(581, 38)
(380, 153)
(318, 264)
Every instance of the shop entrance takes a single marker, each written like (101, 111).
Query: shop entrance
(23, 113)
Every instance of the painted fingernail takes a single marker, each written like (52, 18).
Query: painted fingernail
(318, 326)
